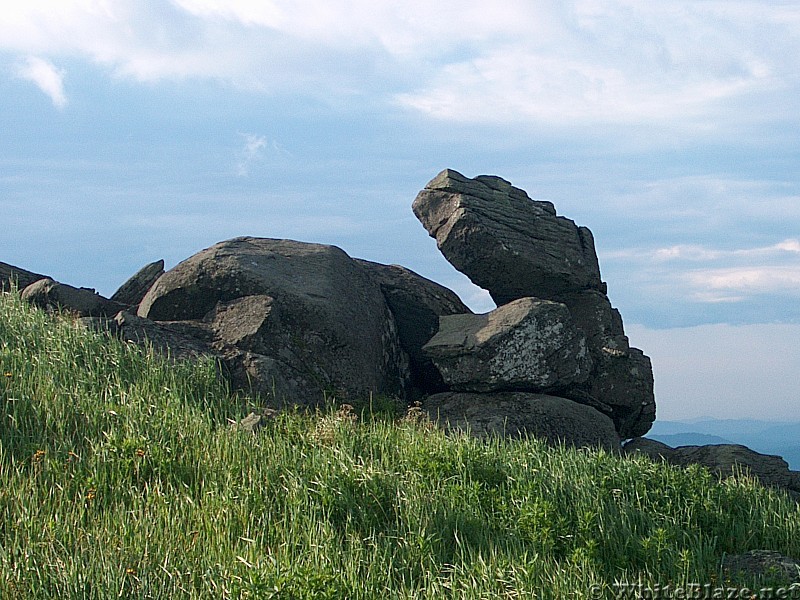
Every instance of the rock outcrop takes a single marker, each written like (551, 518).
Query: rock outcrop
(516, 248)
(300, 322)
(20, 277)
(724, 460)
(85, 302)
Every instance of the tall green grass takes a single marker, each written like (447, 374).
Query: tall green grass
(121, 476)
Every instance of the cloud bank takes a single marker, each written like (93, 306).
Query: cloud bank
(557, 63)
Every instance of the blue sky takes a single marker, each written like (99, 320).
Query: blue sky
(135, 131)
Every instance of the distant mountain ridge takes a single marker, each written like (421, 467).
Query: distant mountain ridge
(768, 437)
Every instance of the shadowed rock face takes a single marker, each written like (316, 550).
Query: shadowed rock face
(134, 289)
(517, 414)
(416, 303)
(515, 248)
(22, 278)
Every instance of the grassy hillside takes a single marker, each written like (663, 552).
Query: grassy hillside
(121, 476)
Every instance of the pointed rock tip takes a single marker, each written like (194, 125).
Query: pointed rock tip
(444, 179)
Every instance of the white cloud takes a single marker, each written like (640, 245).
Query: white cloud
(716, 285)
(701, 253)
(46, 77)
(251, 153)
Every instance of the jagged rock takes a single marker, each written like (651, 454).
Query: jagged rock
(526, 345)
(85, 302)
(305, 316)
(763, 563)
(22, 278)
(505, 242)
(517, 414)
(517, 247)
(416, 303)
(132, 291)
(724, 460)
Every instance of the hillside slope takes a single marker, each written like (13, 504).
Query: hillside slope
(122, 476)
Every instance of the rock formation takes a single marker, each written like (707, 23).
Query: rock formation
(298, 322)
(724, 460)
(296, 318)
(517, 248)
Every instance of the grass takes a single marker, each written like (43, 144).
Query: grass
(121, 476)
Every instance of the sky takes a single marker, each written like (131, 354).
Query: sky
(132, 131)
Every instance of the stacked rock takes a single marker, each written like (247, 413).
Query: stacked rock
(554, 331)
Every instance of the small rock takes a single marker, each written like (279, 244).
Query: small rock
(763, 563)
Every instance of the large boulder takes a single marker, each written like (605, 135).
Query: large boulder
(504, 241)
(516, 414)
(526, 345)
(20, 277)
(416, 303)
(516, 247)
(302, 320)
(134, 289)
(85, 302)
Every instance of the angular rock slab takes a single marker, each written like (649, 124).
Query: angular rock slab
(313, 313)
(516, 414)
(134, 289)
(85, 302)
(525, 345)
(504, 241)
(416, 303)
